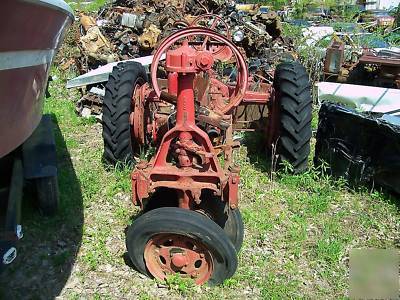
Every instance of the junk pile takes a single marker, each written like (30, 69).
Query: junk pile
(131, 30)
(359, 119)
(379, 67)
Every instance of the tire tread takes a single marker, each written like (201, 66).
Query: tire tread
(118, 145)
(295, 105)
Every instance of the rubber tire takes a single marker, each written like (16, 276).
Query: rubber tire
(185, 222)
(293, 95)
(230, 220)
(234, 228)
(119, 147)
(47, 193)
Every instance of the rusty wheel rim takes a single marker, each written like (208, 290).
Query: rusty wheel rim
(137, 115)
(167, 254)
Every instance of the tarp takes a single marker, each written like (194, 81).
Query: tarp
(360, 147)
(361, 98)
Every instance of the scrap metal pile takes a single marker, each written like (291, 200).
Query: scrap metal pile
(130, 29)
(373, 67)
(360, 111)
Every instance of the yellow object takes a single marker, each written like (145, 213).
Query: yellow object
(149, 38)
(247, 7)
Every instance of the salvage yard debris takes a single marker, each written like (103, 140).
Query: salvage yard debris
(340, 56)
(94, 44)
(129, 30)
(358, 133)
(374, 67)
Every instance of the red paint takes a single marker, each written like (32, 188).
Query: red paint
(185, 141)
(25, 25)
(173, 83)
(167, 254)
(195, 166)
(185, 104)
(187, 56)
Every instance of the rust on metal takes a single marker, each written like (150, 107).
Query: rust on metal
(194, 166)
(167, 254)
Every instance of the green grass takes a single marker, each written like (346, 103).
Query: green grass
(184, 286)
(93, 6)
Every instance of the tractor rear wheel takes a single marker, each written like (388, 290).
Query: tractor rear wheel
(171, 240)
(119, 143)
(290, 115)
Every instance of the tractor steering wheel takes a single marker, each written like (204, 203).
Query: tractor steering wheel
(242, 70)
(222, 53)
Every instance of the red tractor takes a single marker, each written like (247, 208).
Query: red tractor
(188, 190)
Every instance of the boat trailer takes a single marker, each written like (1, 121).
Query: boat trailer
(32, 165)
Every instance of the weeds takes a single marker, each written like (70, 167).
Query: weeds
(78, 5)
(182, 285)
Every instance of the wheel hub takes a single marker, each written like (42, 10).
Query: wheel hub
(167, 254)
(179, 260)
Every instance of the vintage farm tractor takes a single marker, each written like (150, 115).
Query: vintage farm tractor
(188, 190)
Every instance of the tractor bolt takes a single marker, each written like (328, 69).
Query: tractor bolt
(178, 260)
(204, 61)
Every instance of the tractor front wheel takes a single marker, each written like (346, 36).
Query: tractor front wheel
(230, 220)
(289, 117)
(171, 240)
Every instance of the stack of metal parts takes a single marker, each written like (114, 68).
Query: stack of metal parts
(130, 30)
